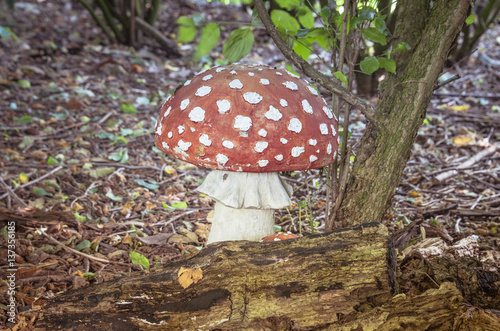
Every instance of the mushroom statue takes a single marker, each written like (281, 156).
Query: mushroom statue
(248, 122)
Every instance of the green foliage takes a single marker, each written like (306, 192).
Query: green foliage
(209, 38)
(187, 29)
(238, 45)
(139, 259)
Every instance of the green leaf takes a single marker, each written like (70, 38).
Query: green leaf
(284, 22)
(100, 172)
(374, 35)
(187, 29)
(52, 161)
(367, 14)
(306, 18)
(119, 156)
(402, 47)
(151, 186)
(209, 38)
(113, 197)
(83, 245)
(369, 65)
(387, 64)
(128, 109)
(288, 4)
(341, 76)
(41, 192)
(139, 259)
(79, 218)
(471, 19)
(7, 33)
(126, 131)
(23, 83)
(25, 119)
(302, 50)
(142, 101)
(380, 26)
(238, 45)
(180, 205)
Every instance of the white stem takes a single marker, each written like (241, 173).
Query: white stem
(240, 224)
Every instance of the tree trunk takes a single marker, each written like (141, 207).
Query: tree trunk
(383, 152)
(343, 280)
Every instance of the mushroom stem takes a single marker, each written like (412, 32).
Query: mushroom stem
(240, 224)
(245, 203)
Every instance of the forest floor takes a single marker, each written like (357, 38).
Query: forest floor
(78, 169)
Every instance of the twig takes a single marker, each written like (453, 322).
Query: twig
(34, 181)
(11, 193)
(73, 250)
(321, 79)
(473, 95)
(490, 150)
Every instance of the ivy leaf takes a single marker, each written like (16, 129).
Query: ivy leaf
(83, 245)
(341, 76)
(151, 186)
(113, 197)
(387, 64)
(119, 156)
(187, 29)
(139, 259)
(41, 192)
(284, 22)
(369, 65)
(238, 45)
(374, 35)
(209, 38)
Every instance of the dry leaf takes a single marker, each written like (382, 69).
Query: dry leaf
(462, 140)
(210, 216)
(126, 208)
(187, 276)
(459, 107)
(413, 194)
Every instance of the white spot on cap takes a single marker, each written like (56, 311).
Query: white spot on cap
(223, 105)
(242, 123)
(184, 104)
(273, 114)
(307, 106)
(252, 97)
(205, 140)
(312, 90)
(295, 125)
(165, 145)
(192, 129)
(334, 132)
(291, 85)
(313, 158)
(187, 82)
(262, 133)
(199, 73)
(233, 72)
(158, 128)
(279, 157)
(170, 134)
(283, 141)
(219, 69)
(324, 101)
(207, 77)
(251, 74)
(237, 84)
(279, 73)
(328, 112)
(262, 163)
(313, 142)
(202, 91)
(260, 146)
(264, 81)
(334, 154)
(183, 145)
(181, 129)
(197, 114)
(317, 151)
(329, 149)
(228, 144)
(296, 151)
(283, 103)
(167, 111)
(323, 128)
(221, 159)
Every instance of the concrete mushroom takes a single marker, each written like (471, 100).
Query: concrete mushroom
(248, 122)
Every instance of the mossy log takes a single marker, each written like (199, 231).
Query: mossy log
(343, 280)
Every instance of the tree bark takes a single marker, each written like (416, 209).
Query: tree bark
(383, 152)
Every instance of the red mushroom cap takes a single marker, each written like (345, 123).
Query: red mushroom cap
(248, 118)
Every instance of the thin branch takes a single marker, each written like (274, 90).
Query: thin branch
(34, 181)
(11, 193)
(321, 79)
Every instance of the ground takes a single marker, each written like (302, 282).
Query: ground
(78, 168)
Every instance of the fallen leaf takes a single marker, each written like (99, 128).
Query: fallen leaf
(187, 276)
(459, 107)
(462, 140)
(413, 194)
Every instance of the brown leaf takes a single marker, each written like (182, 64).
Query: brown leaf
(187, 276)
